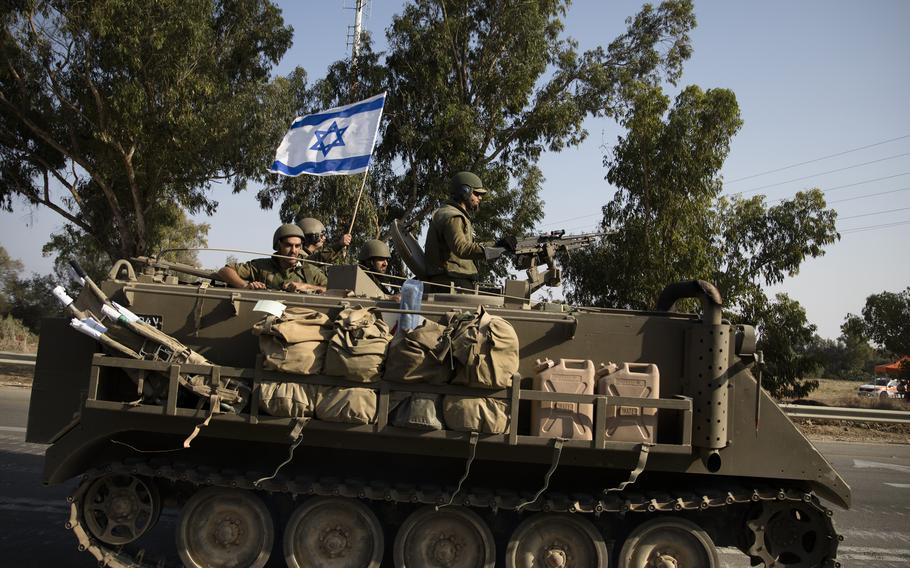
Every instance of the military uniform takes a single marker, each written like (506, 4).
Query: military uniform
(269, 272)
(450, 250)
(377, 279)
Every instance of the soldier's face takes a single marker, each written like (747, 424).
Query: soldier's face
(379, 264)
(289, 246)
(474, 201)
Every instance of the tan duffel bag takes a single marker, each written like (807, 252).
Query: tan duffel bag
(485, 350)
(411, 358)
(358, 345)
(289, 400)
(352, 405)
(476, 414)
(295, 342)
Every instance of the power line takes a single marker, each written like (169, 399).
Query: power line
(753, 190)
(874, 227)
(818, 159)
(873, 213)
(854, 184)
(869, 195)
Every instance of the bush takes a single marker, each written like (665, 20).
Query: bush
(14, 336)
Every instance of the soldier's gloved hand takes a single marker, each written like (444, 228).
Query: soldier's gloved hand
(508, 242)
(492, 253)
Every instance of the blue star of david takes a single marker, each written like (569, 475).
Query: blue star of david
(321, 136)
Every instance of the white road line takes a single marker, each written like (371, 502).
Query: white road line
(863, 464)
(899, 485)
(11, 429)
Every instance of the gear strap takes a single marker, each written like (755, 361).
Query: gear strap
(633, 475)
(557, 451)
(472, 442)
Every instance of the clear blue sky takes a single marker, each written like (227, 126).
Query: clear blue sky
(813, 78)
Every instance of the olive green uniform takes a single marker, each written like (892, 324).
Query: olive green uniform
(450, 250)
(269, 272)
(378, 280)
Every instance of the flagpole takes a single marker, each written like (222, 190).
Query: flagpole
(359, 195)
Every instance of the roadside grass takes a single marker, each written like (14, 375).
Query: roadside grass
(16, 337)
(831, 392)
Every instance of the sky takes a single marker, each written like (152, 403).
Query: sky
(823, 88)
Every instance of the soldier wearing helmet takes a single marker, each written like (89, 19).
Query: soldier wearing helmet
(280, 272)
(314, 239)
(374, 259)
(450, 249)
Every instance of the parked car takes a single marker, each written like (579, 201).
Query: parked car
(881, 387)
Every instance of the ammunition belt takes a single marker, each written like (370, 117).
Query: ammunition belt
(428, 494)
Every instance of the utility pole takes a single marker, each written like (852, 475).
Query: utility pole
(354, 31)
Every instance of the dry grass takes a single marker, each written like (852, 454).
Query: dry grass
(831, 392)
(16, 337)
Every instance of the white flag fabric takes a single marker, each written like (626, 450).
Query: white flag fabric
(337, 141)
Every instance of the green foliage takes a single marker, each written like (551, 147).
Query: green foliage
(786, 339)
(669, 223)
(886, 321)
(27, 300)
(485, 86)
(119, 115)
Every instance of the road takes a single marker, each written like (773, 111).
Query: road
(876, 531)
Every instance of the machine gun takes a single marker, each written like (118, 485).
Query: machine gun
(532, 252)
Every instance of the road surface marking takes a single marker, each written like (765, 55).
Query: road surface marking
(899, 485)
(863, 464)
(11, 429)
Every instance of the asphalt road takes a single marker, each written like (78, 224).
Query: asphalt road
(876, 531)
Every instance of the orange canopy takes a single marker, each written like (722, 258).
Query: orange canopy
(891, 368)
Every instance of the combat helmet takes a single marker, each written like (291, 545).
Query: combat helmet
(312, 229)
(284, 231)
(374, 248)
(463, 184)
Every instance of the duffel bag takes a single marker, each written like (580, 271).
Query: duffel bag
(351, 405)
(289, 400)
(295, 342)
(358, 345)
(485, 350)
(476, 414)
(411, 358)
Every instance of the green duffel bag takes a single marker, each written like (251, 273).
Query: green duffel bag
(358, 345)
(295, 342)
(352, 405)
(485, 350)
(411, 358)
(476, 414)
(289, 400)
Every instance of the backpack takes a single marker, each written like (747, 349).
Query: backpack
(358, 345)
(294, 342)
(411, 358)
(485, 350)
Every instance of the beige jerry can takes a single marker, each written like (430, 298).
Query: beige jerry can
(630, 423)
(571, 420)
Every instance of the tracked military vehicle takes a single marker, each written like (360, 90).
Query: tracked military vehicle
(630, 438)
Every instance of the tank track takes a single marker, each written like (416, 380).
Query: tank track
(427, 494)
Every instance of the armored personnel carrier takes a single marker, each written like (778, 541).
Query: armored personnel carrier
(620, 438)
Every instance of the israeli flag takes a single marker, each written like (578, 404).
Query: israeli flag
(338, 141)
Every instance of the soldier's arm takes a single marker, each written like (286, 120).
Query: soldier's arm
(460, 242)
(230, 275)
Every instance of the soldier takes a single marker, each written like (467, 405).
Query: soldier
(314, 242)
(450, 249)
(278, 272)
(374, 258)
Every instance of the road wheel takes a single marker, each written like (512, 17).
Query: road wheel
(333, 532)
(556, 541)
(452, 537)
(668, 542)
(225, 528)
(118, 509)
